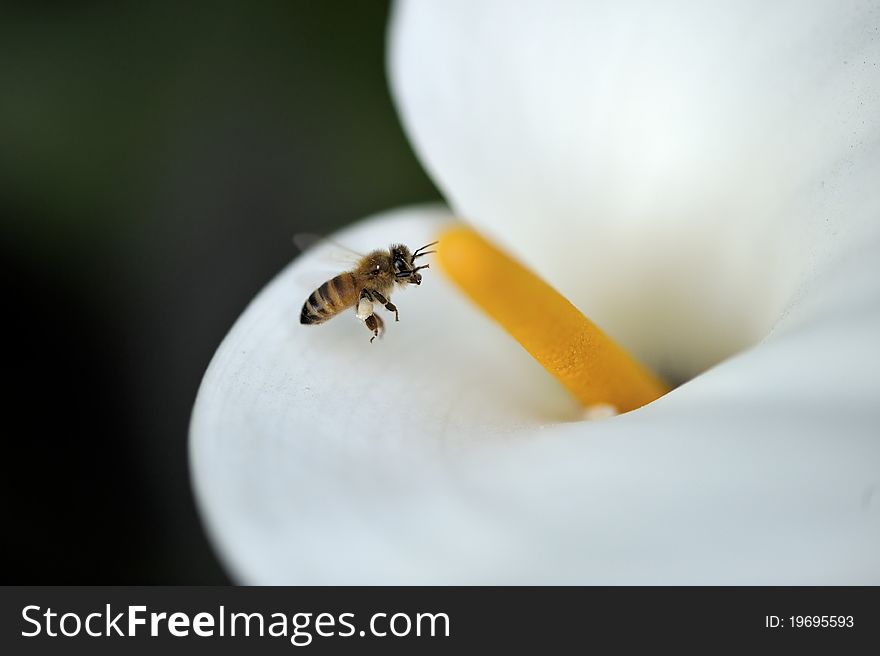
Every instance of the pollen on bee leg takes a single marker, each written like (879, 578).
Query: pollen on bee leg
(594, 368)
(364, 309)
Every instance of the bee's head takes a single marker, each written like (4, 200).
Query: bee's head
(403, 261)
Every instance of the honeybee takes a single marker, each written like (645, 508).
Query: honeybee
(372, 280)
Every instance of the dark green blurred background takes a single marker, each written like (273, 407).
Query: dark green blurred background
(155, 160)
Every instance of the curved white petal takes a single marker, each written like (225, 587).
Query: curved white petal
(679, 170)
(444, 454)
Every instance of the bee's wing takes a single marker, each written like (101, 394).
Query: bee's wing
(327, 259)
(331, 250)
(309, 279)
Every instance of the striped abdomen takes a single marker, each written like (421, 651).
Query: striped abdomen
(330, 299)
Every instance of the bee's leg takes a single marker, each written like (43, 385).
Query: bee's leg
(388, 304)
(376, 325)
(365, 313)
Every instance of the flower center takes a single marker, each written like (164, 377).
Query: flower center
(588, 363)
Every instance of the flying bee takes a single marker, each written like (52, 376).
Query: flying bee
(372, 280)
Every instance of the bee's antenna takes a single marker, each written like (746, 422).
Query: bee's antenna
(419, 252)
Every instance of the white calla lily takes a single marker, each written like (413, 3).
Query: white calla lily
(701, 181)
